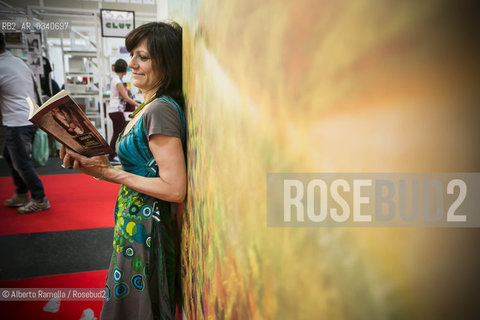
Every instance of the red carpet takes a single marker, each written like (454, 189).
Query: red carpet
(68, 309)
(77, 201)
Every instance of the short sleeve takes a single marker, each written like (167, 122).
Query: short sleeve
(114, 82)
(161, 118)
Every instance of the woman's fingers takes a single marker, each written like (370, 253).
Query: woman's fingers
(67, 163)
(70, 157)
(76, 165)
(76, 156)
(91, 166)
(62, 152)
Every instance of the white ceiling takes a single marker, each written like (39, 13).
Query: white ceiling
(87, 4)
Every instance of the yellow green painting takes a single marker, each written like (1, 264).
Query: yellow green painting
(324, 86)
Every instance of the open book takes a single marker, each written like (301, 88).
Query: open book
(64, 121)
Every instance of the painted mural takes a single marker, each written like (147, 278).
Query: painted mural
(324, 86)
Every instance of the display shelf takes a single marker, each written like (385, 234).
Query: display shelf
(78, 64)
(79, 74)
(81, 53)
(86, 95)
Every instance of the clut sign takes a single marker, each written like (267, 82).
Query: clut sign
(117, 23)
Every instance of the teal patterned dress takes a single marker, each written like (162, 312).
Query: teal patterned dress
(142, 277)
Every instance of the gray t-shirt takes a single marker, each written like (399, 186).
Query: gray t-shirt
(16, 83)
(161, 118)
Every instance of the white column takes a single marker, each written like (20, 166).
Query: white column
(162, 10)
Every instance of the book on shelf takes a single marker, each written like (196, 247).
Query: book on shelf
(62, 119)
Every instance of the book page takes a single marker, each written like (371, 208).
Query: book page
(66, 122)
(58, 96)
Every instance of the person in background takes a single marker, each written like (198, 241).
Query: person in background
(143, 279)
(16, 83)
(118, 97)
(49, 86)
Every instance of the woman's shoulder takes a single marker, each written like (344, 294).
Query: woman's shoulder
(163, 105)
(161, 117)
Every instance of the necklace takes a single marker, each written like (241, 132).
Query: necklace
(140, 107)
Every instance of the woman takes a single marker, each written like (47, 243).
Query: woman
(118, 97)
(142, 274)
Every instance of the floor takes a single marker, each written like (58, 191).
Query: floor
(51, 253)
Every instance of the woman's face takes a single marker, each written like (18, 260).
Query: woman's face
(143, 74)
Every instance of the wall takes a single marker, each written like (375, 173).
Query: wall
(324, 86)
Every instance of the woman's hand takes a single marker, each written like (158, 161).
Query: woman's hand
(93, 166)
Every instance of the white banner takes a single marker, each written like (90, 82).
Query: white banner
(117, 23)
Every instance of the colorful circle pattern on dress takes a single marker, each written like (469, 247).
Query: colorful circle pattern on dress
(131, 228)
(137, 264)
(106, 296)
(148, 242)
(139, 235)
(129, 252)
(120, 241)
(117, 275)
(146, 212)
(134, 210)
(121, 290)
(137, 281)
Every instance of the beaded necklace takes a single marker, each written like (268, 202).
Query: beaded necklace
(140, 107)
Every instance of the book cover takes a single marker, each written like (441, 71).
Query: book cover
(62, 119)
